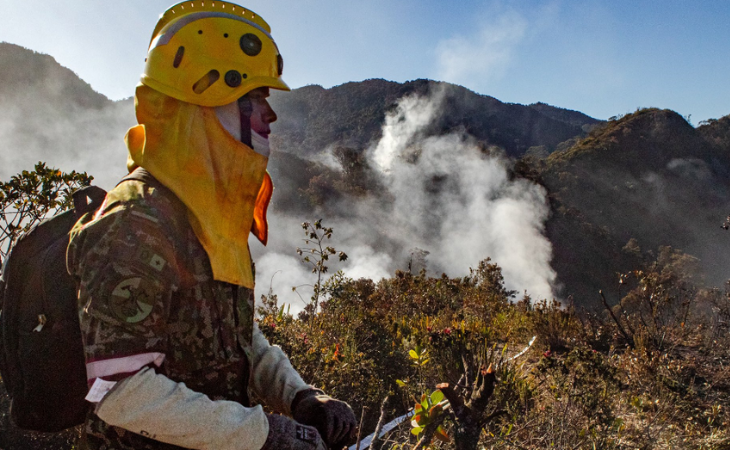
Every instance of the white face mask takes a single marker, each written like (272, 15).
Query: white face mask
(230, 117)
(260, 144)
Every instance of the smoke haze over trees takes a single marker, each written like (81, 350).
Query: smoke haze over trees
(552, 195)
(49, 114)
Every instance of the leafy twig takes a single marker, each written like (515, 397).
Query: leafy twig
(429, 432)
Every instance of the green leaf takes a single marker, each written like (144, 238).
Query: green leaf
(618, 424)
(437, 396)
(413, 354)
(441, 434)
(400, 383)
(416, 431)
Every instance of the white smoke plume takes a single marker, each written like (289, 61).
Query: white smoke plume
(478, 211)
(80, 139)
(449, 197)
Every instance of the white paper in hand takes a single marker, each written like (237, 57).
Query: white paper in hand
(99, 389)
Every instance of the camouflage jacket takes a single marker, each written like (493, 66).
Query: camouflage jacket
(147, 298)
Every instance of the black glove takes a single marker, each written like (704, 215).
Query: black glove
(286, 434)
(334, 419)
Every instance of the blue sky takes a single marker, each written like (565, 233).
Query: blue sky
(599, 57)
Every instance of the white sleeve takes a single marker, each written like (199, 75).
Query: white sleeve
(274, 379)
(157, 407)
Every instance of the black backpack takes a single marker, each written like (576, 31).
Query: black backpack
(41, 351)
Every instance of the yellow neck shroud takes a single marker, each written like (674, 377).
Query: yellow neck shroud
(223, 182)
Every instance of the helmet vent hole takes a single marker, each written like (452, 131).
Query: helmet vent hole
(225, 35)
(178, 57)
(200, 31)
(250, 44)
(233, 78)
(245, 75)
(206, 81)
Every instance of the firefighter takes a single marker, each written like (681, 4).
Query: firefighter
(173, 354)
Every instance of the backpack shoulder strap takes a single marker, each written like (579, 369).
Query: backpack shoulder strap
(141, 174)
(87, 199)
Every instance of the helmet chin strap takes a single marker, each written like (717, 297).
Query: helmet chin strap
(245, 109)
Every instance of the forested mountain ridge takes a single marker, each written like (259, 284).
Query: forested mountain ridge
(27, 72)
(649, 176)
(351, 115)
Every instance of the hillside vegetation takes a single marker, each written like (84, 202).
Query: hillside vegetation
(649, 372)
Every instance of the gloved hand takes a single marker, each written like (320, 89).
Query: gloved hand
(334, 419)
(286, 434)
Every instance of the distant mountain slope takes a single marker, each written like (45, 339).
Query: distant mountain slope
(313, 118)
(50, 114)
(565, 115)
(649, 176)
(27, 72)
(717, 133)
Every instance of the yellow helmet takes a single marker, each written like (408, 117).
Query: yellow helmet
(211, 53)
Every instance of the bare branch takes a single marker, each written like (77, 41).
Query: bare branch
(379, 426)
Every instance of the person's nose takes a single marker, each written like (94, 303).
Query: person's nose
(269, 116)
